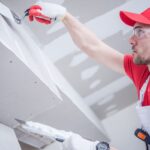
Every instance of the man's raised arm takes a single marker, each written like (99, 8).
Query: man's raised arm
(86, 40)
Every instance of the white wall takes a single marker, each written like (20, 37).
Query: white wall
(8, 140)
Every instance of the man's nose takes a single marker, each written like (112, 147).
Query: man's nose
(132, 40)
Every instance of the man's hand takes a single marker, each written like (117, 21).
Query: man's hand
(45, 12)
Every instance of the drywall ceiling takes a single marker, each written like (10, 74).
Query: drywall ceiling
(88, 78)
(25, 97)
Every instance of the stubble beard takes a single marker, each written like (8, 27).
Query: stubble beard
(140, 61)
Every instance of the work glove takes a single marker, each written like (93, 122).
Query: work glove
(47, 13)
(76, 142)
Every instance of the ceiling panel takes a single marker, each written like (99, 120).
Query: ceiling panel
(22, 95)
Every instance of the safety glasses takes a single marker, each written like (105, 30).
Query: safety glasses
(140, 32)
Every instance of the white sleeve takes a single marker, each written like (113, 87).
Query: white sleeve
(76, 142)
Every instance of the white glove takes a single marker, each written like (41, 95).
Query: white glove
(46, 10)
(76, 142)
(44, 130)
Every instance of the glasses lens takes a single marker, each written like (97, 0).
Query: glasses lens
(138, 32)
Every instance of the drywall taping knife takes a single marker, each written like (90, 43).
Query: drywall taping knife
(20, 19)
(6, 12)
(22, 122)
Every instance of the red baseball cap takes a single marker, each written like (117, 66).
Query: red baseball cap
(130, 18)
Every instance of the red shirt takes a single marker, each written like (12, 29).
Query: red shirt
(138, 74)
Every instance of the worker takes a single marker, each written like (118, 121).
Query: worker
(136, 65)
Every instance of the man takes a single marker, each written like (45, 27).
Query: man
(136, 66)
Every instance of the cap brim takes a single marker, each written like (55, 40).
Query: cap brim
(131, 18)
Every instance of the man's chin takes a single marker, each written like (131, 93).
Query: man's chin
(137, 61)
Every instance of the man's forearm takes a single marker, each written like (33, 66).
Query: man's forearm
(88, 42)
(82, 36)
